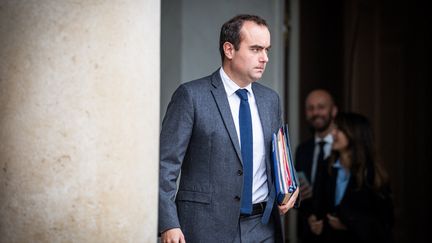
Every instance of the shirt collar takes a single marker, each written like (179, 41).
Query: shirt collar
(230, 86)
(343, 173)
(328, 139)
(337, 164)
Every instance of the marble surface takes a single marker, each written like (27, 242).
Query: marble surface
(79, 120)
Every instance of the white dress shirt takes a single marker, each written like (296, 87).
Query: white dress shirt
(327, 150)
(259, 184)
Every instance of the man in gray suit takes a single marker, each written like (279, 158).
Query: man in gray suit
(217, 132)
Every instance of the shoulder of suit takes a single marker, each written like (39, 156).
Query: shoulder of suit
(204, 82)
(264, 91)
(197, 86)
(308, 143)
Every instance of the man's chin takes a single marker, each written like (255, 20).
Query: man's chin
(258, 74)
(255, 78)
(320, 127)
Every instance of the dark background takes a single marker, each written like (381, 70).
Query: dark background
(374, 57)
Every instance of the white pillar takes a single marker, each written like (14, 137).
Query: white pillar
(79, 120)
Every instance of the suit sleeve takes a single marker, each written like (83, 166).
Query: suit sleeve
(280, 121)
(174, 139)
(297, 202)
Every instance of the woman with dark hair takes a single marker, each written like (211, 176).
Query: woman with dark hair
(355, 190)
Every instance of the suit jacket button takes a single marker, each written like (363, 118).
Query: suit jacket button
(239, 172)
(237, 198)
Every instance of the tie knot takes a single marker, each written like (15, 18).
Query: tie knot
(322, 143)
(242, 93)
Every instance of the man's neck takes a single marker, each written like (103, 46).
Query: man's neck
(324, 133)
(227, 69)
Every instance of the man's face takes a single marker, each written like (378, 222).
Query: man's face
(249, 61)
(320, 110)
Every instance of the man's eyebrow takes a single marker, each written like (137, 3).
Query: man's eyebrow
(260, 47)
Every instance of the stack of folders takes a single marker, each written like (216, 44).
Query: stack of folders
(285, 174)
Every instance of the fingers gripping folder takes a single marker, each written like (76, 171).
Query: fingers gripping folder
(283, 165)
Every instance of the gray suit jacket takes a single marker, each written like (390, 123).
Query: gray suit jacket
(199, 139)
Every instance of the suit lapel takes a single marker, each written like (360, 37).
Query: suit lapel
(221, 99)
(264, 108)
(310, 147)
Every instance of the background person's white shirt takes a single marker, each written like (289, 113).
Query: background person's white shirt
(327, 150)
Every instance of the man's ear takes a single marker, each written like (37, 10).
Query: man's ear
(228, 50)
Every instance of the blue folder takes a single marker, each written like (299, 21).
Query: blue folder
(283, 166)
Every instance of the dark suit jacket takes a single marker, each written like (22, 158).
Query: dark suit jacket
(367, 214)
(314, 205)
(304, 157)
(199, 139)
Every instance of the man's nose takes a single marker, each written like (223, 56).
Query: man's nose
(264, 56)
(313, 112)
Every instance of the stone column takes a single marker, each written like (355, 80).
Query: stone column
(79, 120)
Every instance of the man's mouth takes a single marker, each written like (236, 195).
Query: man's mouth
(318, 118)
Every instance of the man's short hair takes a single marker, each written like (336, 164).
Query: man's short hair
(230, 31)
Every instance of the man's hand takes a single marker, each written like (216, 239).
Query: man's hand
(316, 226)
(305, 189)
(290, 204)
(335, 223)
(173, 236)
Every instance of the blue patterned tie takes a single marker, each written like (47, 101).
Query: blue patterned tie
(246, 141)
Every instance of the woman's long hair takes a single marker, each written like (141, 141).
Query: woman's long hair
(363, 165)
